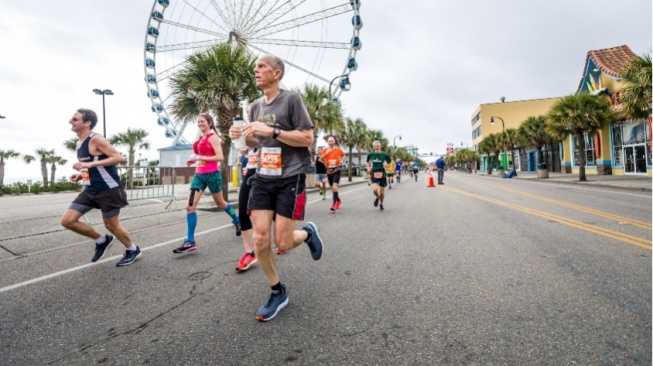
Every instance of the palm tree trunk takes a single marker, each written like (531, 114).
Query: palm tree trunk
(581, 158)
(514, 170)
(53, 169)
(130, 162)
(2, 172)
(351, 163)
(44, 173)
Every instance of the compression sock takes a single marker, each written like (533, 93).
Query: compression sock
(230, 211)
(335, 197)
(191, 220)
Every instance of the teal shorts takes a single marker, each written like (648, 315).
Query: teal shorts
(212, 180)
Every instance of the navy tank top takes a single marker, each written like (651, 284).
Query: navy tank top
(102, 177)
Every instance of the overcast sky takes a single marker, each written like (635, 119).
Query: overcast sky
(424, 68)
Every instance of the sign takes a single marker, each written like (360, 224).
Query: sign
(449, 148)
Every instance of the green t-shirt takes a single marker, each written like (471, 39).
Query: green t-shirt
(377, 161)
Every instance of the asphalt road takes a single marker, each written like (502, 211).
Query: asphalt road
(475, 272)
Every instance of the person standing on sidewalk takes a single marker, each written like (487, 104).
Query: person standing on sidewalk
(102, 189)
(207, 157)
(320, 173)
(283, 132)
(377, 162)
(248, 171)
(440, 164)
(333, 158)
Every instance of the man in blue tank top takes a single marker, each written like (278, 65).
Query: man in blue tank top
(102, 189)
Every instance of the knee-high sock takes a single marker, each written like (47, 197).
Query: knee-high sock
(335, 196)
(231, 212)
(191, 221)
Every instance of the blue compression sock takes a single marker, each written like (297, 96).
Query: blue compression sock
(191, 220)
(230, 211)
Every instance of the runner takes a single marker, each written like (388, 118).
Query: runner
(250, 161)
(284, 132)
(377, 162)
(320, 173)
(415, 167)
(333, 158)
(398, 168)
(390, 173)
(207, 157)
(102, 189)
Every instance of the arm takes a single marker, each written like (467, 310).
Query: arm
(295, 138)
(99, 145)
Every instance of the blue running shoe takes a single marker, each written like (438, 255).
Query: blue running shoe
(101, 249)
(277, 301)
(129, 257)
(313, 240)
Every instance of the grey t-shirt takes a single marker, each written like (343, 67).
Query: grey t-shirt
(286, 112)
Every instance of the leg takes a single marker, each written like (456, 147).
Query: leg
(262, 221)
(113, 225)
(70, 220)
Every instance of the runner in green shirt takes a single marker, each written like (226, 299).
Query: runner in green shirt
(377, 162)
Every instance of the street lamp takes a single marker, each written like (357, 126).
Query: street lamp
(344, 85)
(394, 140)
(104, 115)
(463, 142)
(503, 125)
(512, 150)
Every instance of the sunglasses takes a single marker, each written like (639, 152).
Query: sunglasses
(75, 119)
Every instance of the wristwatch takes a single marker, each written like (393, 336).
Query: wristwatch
(276, 133)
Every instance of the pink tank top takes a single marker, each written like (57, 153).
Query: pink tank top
(203, 147)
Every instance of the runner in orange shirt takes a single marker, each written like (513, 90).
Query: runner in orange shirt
(333, 157)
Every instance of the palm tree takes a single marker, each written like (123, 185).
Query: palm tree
(71, 144)
(216, 80)
(636, 94)
(578, 115)
(55, 160)
(352, 135)
(325, 114)
(43, 155)
(4, 155)
(490, 147)
(509, 141)
(133, 139)
(532, 132)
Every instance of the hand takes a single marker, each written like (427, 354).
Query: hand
(235, 132)
(257, 129)
(195, 157)
(79, 165)
(76, 177)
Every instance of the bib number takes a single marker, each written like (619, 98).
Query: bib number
(270, 163)
(378, 175)
(86, 177)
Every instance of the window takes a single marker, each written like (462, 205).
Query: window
(589, 151)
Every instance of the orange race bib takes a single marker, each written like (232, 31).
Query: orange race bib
(270, 163)
(378, 175)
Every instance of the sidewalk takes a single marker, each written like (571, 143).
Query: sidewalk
(629, 182)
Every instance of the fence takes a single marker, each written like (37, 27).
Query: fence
(145, 182)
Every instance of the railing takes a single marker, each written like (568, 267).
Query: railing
(145, 182)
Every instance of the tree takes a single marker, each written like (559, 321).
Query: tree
(216, 80)
(352, 134)
(55, 160)
(532, 132)
(636, 95)
(44, 156)
(5, 155)
(577, 115)
(490, 147)
(71, 144)
(325, 114)
(507, 140)
(132, 139)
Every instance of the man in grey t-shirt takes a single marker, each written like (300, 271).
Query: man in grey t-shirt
(282, 130)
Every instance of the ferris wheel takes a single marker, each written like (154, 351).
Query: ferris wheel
(317, 40)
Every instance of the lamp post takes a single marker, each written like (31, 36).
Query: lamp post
(512, 150)
(466, 144)
(394, 140)
(104, 115)
(344, 85)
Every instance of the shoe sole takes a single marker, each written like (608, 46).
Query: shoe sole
(316, 233)
(105, 251)
(281, 306)
(130, 262)
(184, 251)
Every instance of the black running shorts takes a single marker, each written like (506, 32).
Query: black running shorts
(109, 201)
(285, 196)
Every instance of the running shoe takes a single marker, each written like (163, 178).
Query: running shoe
(238, 228)
(337, 204)
(390, 187)
(245, 262)
(277, 301)
(376, 202)
(280, 252)
(101, 249)
(186, 247)
(381, 208)
(323, 196)
(313, 240)
(129, 257)
(333, 207)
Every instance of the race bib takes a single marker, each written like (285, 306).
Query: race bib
(378, 175)
(252, 159)
(270, 163)
(86, 177)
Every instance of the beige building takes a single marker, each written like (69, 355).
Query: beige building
(511, 115)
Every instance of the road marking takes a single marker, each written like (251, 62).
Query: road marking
(608, 215)
(151, 247)
(626, 238)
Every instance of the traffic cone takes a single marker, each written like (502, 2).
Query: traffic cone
(430, 181)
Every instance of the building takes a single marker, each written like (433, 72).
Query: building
(495, 117)
(623, 147)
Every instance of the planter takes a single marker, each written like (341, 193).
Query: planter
(542, 173)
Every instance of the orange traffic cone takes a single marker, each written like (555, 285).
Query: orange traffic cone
(430, 181)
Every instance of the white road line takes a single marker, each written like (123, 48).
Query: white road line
(151, 247)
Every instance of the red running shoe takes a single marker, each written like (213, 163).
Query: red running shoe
(245, 262)
(337, 204)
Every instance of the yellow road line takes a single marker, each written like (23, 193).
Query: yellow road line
(608, 215)
(626, 238)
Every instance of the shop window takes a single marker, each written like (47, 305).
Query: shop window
(589, 151)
